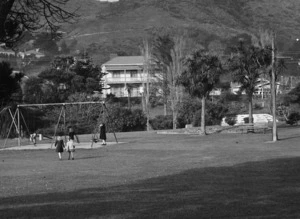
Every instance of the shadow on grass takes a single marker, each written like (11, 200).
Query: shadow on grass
(268, 189)
(90, 157)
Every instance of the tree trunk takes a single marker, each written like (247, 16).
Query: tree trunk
(273, 92)
(174, 115)
(165, 109)
(129, 99)
(203, 100)
(250, 109)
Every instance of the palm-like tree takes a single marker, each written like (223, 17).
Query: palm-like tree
(246, 65)
(200, 77)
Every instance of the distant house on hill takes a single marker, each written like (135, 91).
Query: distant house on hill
(125, 73)
(10, 53)
(34, 52)
(7, 52)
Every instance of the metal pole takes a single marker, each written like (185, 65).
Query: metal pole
(11, 125)
(64, 107)
(111, 120)
(274, 131)
(19, 134)
(55, 130)
(25, 122)
(59, 104)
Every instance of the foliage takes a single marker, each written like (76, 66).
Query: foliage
(289, 105)
(45, 43)
(18, 17)
(293, 96)
(121, 119)
(33, 92)
(257, 106)
(230, 119)
(214, 114)
(202, 73)
(246, 65)
(200, 77)
(168, 54)
(293, 118)
(189, 112)
(9, 84)
(162, 122)
(66, 76)
(186, 111)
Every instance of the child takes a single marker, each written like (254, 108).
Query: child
(59, 144)
(33, 137)
(71, 148)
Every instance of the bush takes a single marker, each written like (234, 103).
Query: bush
(162, 122)
(258, 106)
(120, 119)
(246, 120)
(190, 112)
(186, 111)
(293, 118)
(230, 119)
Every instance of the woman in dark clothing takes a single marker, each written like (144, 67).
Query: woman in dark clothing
(103, 133)
(72, 135)
(59, 144)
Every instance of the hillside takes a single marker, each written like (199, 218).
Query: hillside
(104, 28)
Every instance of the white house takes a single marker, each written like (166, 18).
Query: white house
(125, 73)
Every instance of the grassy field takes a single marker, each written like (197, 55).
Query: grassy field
(158, 176)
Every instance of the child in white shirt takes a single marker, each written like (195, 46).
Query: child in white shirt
(71, 148)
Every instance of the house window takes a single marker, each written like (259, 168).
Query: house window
(116, 74)
(118, 91)
(133, 73)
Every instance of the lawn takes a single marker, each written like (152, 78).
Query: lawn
(158, 176)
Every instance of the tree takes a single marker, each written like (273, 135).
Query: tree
(18, 16)
(33, 92)
(163, 59)
(10, 92)
(246, 65)
(201, 75)
(9, 84)
(169, 56)
(44, 42)
(147, 70)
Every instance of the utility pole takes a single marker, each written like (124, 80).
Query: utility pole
(273, 91)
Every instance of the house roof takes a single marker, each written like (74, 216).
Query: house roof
(126, 60)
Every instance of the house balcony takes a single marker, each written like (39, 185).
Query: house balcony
(128, 79)
(125, 80)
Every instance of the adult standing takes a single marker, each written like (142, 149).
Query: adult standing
(103, 133)
(72, 135)
(59, 144)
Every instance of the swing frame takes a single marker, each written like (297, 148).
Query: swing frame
(16, 117)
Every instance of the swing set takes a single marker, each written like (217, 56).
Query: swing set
(17, 116)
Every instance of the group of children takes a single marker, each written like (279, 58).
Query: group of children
(70, 146)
